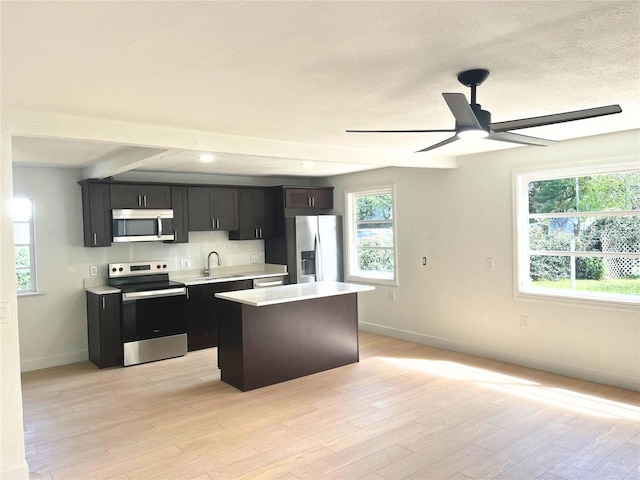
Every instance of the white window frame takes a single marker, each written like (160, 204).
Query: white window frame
(32, 251)
(523, 288)
(352, 273)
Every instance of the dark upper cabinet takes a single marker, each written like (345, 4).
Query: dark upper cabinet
(103, 330)
(96, 214)
(308, 197)
(256, 214)
(203, 311)
(180, 206)
(140, 196)
(212, 208)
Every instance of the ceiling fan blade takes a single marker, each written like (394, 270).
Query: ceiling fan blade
(521, 139)
(398, 131)
(461, 109)
(440, 144)
(555, 118)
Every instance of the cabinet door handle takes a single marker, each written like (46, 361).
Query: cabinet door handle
(217, 223)
(95, 238)
(313, 201)
(256, 233)
(260, 233)
(213, 223)
(139, 200)
(309, 201)
(145, 200)
(104, 304)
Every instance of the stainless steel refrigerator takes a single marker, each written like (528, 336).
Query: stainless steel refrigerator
(311, 247)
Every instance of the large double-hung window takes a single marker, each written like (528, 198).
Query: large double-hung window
(371, 250)
(578, 233)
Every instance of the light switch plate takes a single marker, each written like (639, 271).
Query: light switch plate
(254, 258)
(93, 270)
(184, 264)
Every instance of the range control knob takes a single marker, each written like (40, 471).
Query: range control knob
(158, 267)
(114, 269)
(164, 266)
(121, 269)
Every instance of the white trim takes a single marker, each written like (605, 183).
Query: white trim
(348, 231)
(615, 379)
(17, 472)
(53, 361)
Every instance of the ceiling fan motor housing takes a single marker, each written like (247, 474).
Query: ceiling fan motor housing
(483, 116)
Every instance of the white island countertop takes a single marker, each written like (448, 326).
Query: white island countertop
(260, 297)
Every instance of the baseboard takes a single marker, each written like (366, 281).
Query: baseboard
(19, 472)
(575, 371)
(53, 361)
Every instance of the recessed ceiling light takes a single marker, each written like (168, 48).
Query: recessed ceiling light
(206, 158)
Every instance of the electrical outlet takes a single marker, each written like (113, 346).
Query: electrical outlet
(488, 263)
(184, 264)
(254, 258)
(93, 270)
(392, 296)
(524, 320)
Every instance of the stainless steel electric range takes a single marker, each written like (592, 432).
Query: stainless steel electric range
(154, 311)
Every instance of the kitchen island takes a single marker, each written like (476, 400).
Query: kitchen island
(270, 335)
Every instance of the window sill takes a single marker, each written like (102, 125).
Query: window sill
(567, 298)
(372, 280)
(30, 294)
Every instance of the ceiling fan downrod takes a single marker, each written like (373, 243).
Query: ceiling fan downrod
(473, 78)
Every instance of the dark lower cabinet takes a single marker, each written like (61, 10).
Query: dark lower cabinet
(203, 310)
(104, 332)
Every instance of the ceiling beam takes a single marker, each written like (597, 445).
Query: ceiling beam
(127, 158)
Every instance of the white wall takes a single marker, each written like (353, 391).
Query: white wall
(12, 454)
(53, 323)
(457, 218)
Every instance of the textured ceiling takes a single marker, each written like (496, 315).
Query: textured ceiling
(297, 74)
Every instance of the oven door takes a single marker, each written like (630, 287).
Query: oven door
(154, 325)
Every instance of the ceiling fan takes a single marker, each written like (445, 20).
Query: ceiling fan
(473, 122)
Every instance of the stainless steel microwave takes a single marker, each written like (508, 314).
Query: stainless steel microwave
(142, 225)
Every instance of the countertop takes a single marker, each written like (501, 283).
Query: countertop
(194, 277)
(292, 293)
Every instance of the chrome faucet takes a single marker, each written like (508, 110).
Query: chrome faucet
(207, 271)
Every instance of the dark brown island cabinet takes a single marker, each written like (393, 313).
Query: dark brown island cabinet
(103, 328)
(213, 208)
(203, 311)
(140, 196)
(256, 214)
(297, 330)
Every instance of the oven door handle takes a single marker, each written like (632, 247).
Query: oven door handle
(170, 292)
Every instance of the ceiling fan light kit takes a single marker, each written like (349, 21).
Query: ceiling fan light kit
(473, 122)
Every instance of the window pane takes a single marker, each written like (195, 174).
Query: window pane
(605, 275)
(374, 207)
(614, 191)
(21, 232)
(586, 234)
(374, 234)
(21, 209)
(375, 260)
(23, 257)
(23, 280)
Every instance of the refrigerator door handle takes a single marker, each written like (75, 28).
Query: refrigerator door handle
(318, 248)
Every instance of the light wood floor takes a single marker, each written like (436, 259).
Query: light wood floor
(405, 411)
